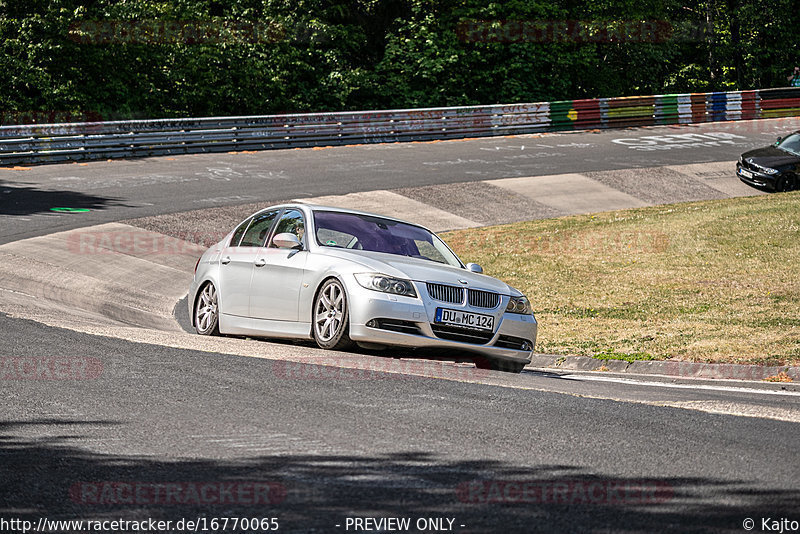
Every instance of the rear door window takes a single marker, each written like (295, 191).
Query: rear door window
(256, 234)
(239, 232)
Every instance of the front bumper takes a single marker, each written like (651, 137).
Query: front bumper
(756, 178)
(404, 321)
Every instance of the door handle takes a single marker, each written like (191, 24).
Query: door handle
(260, 263)
(226, 260)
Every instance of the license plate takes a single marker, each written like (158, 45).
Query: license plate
(477, 321)
(745, 173)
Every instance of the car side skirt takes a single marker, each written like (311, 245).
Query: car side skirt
(247, 326)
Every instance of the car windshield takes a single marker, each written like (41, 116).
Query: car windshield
(791, 144)
(366, 232)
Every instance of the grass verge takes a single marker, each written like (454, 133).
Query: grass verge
(715, 281)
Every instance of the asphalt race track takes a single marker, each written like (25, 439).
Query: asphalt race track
(114, 411)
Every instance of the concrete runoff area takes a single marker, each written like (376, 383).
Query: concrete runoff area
(571, 194)
(111, 270)
(717, 176)
(658, 186)
(483, 202)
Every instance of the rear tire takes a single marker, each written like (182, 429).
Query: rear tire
(206, 311)
(331, 317)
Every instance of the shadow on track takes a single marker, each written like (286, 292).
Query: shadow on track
(51, 477)
(24, 200)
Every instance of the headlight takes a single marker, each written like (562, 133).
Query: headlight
(386, 284)
(519, 305)
(766, 170)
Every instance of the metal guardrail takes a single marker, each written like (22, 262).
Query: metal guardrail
(139, 138)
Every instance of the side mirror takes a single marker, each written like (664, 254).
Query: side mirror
(475, 268)
(286, 240)
(779, 140)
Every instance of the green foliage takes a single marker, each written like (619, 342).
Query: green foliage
(271, 56)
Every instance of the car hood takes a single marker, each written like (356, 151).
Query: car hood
(421, 270)
(771, 157)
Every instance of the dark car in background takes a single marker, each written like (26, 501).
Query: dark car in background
(775, 167)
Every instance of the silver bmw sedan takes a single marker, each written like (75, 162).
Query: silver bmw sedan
(344, 277)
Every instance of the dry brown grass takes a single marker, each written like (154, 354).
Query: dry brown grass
(704, 281)
(780, 377)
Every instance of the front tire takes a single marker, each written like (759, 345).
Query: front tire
(785, 183)
(206, 311)
(331, 317)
